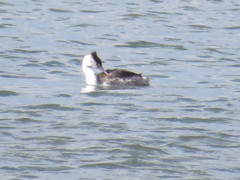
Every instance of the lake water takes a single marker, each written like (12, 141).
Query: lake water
(186, 125)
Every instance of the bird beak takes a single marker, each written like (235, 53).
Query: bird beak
(102, 69)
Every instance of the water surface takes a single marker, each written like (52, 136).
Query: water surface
(184, 126)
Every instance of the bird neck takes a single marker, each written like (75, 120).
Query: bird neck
(91, 77)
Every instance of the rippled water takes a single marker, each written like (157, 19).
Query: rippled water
(184, 126)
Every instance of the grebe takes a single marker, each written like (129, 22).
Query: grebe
(110, 76)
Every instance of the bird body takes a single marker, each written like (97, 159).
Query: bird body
(110, 77)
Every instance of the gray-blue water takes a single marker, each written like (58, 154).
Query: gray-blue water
(186, 125)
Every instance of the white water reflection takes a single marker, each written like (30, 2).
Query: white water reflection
(88, 89)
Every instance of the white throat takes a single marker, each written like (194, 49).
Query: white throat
(91, 78)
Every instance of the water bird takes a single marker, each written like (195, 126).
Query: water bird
(109, 77)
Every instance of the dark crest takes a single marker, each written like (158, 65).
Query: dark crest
(98, 61)
(96, 58)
